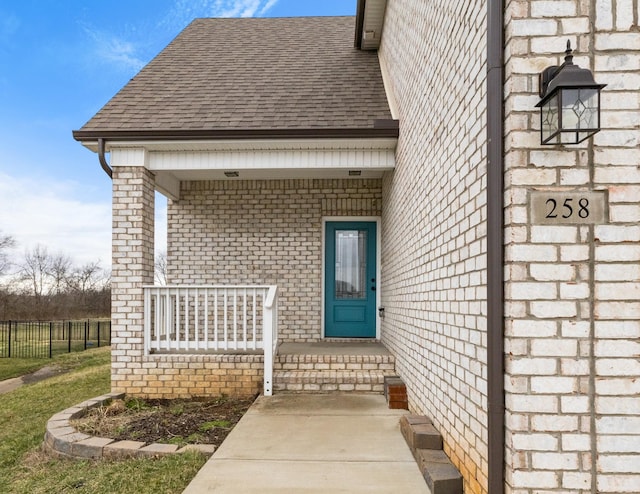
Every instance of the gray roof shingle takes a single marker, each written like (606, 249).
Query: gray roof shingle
(252, 74)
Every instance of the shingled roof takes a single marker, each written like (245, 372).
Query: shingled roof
(227, 77)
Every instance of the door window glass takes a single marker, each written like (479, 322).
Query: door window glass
(351, 264)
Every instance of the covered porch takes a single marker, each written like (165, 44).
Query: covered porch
(246, 256)
(246, 275)
(242, 322)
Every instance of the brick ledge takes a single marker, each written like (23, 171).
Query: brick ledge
(425, 442)
(63, 440)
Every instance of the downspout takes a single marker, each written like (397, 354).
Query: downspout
(495, 245)
(102, 159)
(357, 42)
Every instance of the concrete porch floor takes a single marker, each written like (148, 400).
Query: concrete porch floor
(313, 444)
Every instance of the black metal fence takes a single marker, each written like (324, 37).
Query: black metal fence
(44, 339)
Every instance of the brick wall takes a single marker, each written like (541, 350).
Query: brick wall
(434, 220)
(132, 267)
(573, 292)
(264, 232)
(157, 376)
(186, 376)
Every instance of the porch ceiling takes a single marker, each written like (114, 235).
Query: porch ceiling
(176, 161)
(269, 174)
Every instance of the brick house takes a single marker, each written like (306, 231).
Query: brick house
(289, 157)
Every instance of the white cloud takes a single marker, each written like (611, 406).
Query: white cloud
(267, 6)
(240, 8)
(184, 11)
(237, 8)
(113, 49)
(130, 52)
(45, 212)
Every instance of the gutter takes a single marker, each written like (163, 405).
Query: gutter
(495, 245)
(383, 128)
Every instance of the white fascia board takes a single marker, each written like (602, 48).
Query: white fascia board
(256, 144)
(388, 88)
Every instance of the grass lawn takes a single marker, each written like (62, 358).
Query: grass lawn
(24, 413)
(14, 367)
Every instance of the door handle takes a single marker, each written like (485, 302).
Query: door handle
(373, 288)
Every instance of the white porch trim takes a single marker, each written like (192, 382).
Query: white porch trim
(213, 318)
(174, 161)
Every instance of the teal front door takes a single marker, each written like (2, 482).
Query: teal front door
(350, 279)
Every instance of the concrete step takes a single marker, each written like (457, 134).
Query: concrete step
(332, 366)
(335, 362)
(308, 381)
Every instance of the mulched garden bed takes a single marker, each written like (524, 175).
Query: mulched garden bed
(178, 422)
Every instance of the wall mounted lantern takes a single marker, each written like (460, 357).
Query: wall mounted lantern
(569, 104)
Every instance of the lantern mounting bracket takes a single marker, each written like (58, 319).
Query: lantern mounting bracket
(545, 78)
(547, 75)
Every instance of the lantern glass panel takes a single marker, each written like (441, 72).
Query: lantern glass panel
(580, 116)
(549, 114)
(579, 109)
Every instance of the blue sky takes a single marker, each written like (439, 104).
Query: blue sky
(60, 62)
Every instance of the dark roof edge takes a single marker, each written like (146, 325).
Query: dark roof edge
(359, 23)
(381, 129)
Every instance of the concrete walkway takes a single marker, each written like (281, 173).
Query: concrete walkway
(332, 443)
(40, 375)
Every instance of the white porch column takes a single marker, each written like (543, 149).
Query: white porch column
(133, 263)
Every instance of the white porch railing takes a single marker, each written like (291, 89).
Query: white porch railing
(213, 318)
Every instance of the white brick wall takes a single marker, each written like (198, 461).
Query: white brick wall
(572, 292)
(434, 221)
(264, 232)
(573, 408)
(133, 206)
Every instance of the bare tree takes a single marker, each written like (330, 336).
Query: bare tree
(160, 268)
(59, 273)
(89, 289)
(6, 243)
(35, 270)
(87, 278)
(49, 286)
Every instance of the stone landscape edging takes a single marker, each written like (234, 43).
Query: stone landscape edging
(63, 440)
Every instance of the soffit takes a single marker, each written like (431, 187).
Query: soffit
(370, 20)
